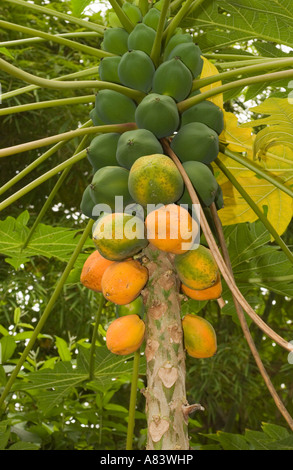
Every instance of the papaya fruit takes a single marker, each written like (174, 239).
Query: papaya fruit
(125, 335)
(174, 41)
(155, 179)
(136, 70)
(95, 118)
(87, 204)
(108, 69)
(206, 112)
(141, 38)
(136, 307)
(123, 281)
(190, 54)
(210, 293)
(196, 142)
(102, 150)
(108, 183)
(119, 235)
(151, 18)
(203, 181)
(135, 144)
(200, 338)
(158, 114)
(115, 40)
(172, 78)
(113, 107)
(171, 228)
(132, 11)
(197, 268)
(92, 271)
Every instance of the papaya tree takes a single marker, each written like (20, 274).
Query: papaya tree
(164, 149)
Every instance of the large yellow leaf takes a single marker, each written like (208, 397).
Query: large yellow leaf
(208, 70)
(279, 162)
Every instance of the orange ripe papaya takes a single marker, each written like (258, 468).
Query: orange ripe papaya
(197, 268)
(123, 281)
(210, 293)
(125, 335)
(200, 339)
(93, 270)
(171, 228)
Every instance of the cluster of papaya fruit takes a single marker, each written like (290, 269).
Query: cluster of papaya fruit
(133, 166)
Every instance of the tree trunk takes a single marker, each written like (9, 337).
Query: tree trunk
(166, 404)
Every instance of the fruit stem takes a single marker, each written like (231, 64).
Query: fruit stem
(52, 12)
(54, 38)
(255, 209)
(47, 311)
(123, 18)
(132, 402)
(73, 85)
(156, 49)
(120, 128)
(25, 41)
(268, 77)
(176, 20)
(47, 104)
(218, 257)
(143, 6)
(256, 169)
(28, 88)
(94, 336)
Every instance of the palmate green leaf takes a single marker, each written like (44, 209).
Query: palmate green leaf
(256, 262)
(228, 22)
(78, 6)
(54, 385)
(47, 241)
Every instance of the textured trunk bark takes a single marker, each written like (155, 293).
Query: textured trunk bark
(166, 405)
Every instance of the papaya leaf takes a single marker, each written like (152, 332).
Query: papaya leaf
(208, 70)
(277, 205)
(53, 385)
(228, 22)
(78, 6)
(47, 241)
(279, 125)
(255, 262)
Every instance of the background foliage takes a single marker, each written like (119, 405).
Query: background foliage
(55, 404)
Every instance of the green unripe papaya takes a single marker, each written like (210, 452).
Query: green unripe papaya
(158, 114)
(134, 144)
(203, 181)
(108, 69)
(172, 78)
(108, 182)
(151, 18)
(206, 112)
(102, 150)
(115, 40)
(87, 204)
(95, 118)
(113, 107)
(190, 54)
(196, 142)
(141, 38)
(136, 70)
(174, 41)
(132, 11)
